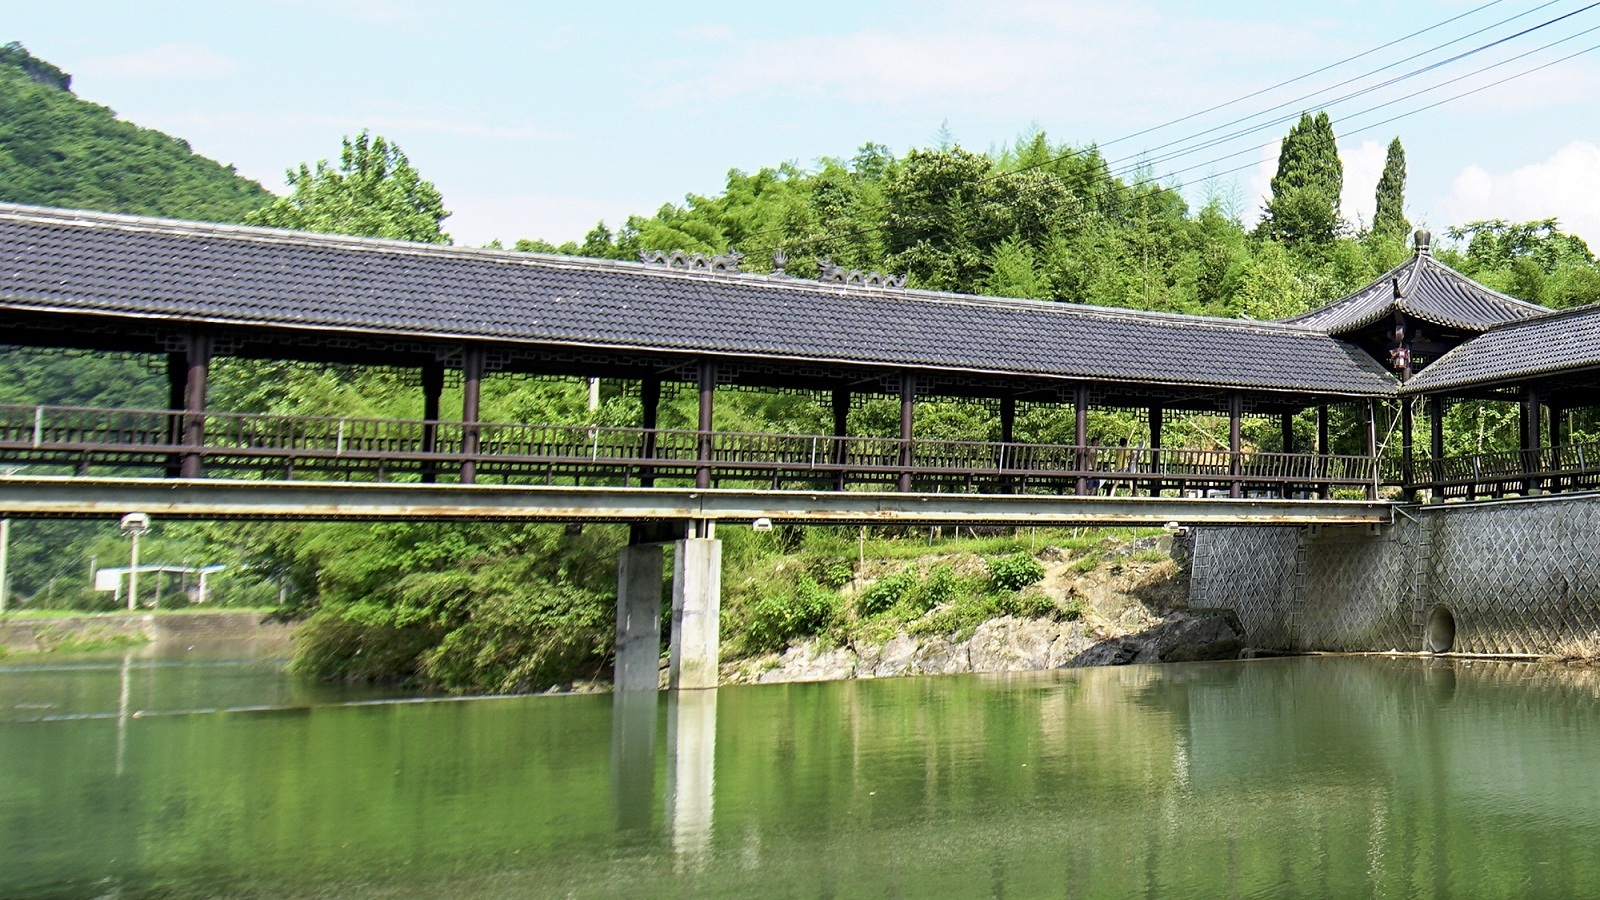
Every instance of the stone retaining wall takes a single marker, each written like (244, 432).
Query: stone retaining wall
(26, 635)
(1514, 577)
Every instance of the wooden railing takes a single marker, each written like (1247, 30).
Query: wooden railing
(1501, 472)
(113, 441)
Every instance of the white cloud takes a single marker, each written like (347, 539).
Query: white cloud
(1362, 167)
(1566, 186)
(1260, 185)
(165, 61)
(1019, 59)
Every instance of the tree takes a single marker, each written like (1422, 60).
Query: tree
(1304, 210)
(1390, 218)
(1014, 272)
(373, 193)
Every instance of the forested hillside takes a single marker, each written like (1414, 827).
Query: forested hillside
(59, 150)
(482, 607)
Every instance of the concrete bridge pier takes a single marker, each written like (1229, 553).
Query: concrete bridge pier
(639, 569)
(696, 606)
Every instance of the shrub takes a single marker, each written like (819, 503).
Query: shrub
(939, 588)
(886, 592)
(801, 611)
(958, 618)
(1015, 571)
(1026, 604)
(832, 572)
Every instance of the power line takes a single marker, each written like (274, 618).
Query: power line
(1011, 173)
(1298, 78)
(1109, 172)
(1434, 87)
(1296, 103)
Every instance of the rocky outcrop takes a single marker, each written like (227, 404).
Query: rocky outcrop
(1132, 611)
(1008, 644)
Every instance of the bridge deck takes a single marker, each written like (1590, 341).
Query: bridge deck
(61, 497)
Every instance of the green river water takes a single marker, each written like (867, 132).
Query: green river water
(127, 776)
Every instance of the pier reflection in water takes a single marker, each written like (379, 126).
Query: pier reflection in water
(1319, 776)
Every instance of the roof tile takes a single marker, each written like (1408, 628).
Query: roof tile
(129, 266)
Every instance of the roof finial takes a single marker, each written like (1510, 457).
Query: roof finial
(1424, 242)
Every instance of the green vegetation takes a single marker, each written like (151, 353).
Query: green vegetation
(374, 192)
(1014, 572)
(1389, 219)
(1304, 210)
(58, 150)
(772, 596)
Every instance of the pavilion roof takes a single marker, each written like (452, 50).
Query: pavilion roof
(1425, 289)
(1560, 342)
(61, 261)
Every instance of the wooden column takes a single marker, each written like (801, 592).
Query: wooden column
(1156, 421)
(908, 394)
(177, 377)
(1436, 446)
(1008, 436)
(1235, 444)
(841, 430)
(708, 390)
(432, 389)
(1286, 435)
(1556, 462)
(650, 409)
(1372, 448)
(194, 404)
(1408, 468)
(1531, 438)
(1322, 449)
(472, 365)
(1080, 404)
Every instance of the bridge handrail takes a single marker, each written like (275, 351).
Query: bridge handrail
(271, 435)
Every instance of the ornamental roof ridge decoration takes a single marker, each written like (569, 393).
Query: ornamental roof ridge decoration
(699, 262)
(828, 272)
(1425, 289)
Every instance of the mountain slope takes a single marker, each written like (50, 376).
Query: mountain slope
(57, 149)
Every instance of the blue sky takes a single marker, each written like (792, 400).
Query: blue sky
(537, 119)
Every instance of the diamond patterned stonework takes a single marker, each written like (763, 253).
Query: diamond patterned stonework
(1517, 577)
(1250, 571)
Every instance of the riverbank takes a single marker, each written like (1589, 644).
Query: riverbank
(1110, 601)
(25, 633)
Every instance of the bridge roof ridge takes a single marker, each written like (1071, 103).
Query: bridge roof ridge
(520, 257)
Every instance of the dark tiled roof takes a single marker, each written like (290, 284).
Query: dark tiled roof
(1430, 291)
(1559, 342)
(55, 260)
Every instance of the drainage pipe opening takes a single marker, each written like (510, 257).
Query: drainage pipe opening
(1440, 635)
